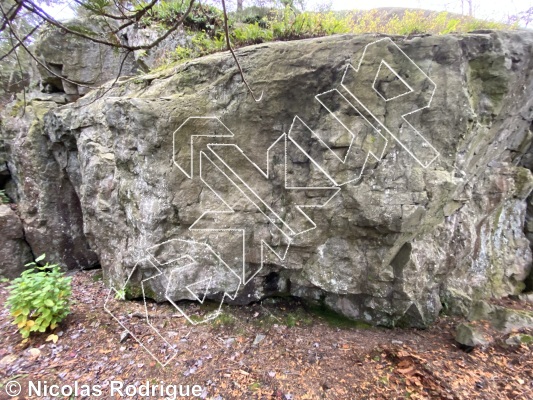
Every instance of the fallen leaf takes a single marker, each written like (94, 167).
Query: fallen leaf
(52, 337)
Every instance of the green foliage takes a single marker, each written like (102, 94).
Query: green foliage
(3, 197)
(181, 53)
(120, 294)
(39, 299)
(201, 44)
(418, 21)
(224, 319)
(96, 6)
(309, 24)
(412, 22)
(201, 18)
(257, 25)
(251, 34)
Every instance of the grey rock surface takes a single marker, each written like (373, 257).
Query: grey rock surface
(47, 202)
(509, 320)
(502, 318)
(469, 335)
(14, 251)
(519, 339)
(87, 63)
(437, 219)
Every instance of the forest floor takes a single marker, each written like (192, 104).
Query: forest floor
(279, 350)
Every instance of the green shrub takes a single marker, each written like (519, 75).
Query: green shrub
(39, 299)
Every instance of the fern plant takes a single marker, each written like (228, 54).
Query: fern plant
(40, 298)
(3, 197)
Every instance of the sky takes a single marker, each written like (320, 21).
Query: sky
(497, 10)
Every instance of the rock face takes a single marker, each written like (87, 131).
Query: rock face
(403, 216)
(79, 60)
(39, 180)
(14, 251)
(92, 64)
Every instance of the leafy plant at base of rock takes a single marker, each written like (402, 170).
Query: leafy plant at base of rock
(39, 299)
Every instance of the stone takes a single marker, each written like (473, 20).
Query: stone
(124, 336)
(34, 353)
(526, 297)
(14, 250)
(468, 335)
(419, 220)
(508, 320)
(7, 360)
(481, 310)
(258, 339)
(151, 58)
(519, 339)
(501, 318)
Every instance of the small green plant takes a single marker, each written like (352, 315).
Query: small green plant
(251, 34)
(224, 319)
(39, 299)
(120, 294)
(181, 53)
(3, 197)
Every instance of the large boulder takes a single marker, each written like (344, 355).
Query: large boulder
(413, 213)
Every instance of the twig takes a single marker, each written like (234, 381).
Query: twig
(14, 47)
(10, 15)
(228, 43)
(112, 84)
(153, 316)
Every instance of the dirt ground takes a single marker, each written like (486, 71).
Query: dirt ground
(274, 350)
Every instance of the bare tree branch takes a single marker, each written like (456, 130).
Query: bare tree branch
(228, 43)
(16, 45)
(10, 15)
(36, 59)
(136, 16)
(29, 5)
(127, 53)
